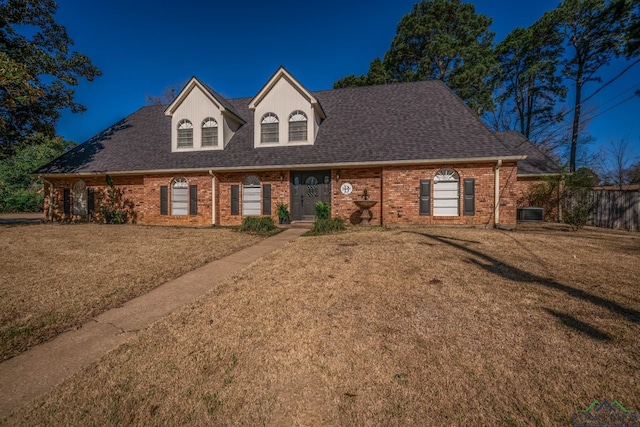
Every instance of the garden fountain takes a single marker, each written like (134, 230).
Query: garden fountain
(365, 204)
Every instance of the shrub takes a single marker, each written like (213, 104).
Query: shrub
(283, 213)
(21, 200)
(323, 210)
(260, 225)
(579, 210)
(328, 225)
(114, 209)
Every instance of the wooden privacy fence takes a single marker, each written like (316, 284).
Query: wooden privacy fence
(613, 208)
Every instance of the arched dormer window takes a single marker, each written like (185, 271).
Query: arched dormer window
(298, 126)
(209, 132)
(251, 196)
(185, 133)
(269, 128)
(446, 193)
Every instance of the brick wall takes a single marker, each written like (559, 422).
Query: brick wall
(143, 192)
(149, 205)
(401, 188)
(224, 181)
(524, 185)
(342, 205)
(132, 188)
(397, 189)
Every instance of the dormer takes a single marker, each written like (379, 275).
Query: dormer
(201, 119)
(285, 113)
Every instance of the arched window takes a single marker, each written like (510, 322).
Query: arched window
(297, 126)
(209, 132)
(185, 133)
(446, 193)
(251, 196)
(179, 197)
(269, 128)
(80, 198)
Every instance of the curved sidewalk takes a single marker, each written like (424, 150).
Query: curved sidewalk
(38, 370)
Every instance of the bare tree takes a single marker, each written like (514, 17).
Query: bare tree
(168, 95)
(617, 162)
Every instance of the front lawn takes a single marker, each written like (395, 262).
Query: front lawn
(55, 277)
(430, 326)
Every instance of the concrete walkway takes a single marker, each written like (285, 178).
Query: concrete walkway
(37, 371)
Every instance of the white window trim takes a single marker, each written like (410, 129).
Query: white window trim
(209, 123)
(184, 125)
(446, 176)
(251, 185)
(179, 184)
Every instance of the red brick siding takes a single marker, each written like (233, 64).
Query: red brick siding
(523, 186)
(342, 205)
(224, 181)
(150, 207)
(397, 189)
(143, 192)
(132, 187)
(401, 188)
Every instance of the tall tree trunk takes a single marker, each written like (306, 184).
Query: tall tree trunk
(576, 121)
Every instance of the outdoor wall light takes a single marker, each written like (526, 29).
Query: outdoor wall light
(337, 176)
(281, 176)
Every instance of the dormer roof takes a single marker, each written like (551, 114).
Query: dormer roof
(414, 123)
(220, 102)
(282, 73)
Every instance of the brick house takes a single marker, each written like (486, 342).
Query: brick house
(203, 159)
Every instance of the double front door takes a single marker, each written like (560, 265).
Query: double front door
(308, 188)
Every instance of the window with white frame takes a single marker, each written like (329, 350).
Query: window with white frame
(298, 126)
(209, 132)
(446, 193)
(269, 128)
(179, 197)
(251, 196)
(185, 134)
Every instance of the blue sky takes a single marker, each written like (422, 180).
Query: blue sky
(142, 47)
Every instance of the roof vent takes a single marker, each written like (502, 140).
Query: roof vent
(531, 214)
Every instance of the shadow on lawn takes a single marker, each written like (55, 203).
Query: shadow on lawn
(579, 325)
(510, 272)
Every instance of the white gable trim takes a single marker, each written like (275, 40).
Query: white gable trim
(184, 93)
(282, 73)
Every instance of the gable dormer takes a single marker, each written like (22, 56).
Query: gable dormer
(285, 113)
(201, 119)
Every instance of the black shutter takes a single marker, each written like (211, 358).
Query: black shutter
(266, 199)
(90, 201)
(164, 200)
(235, 199)
(193, 200)
(425, 197)
(469, 196)
(67, 201)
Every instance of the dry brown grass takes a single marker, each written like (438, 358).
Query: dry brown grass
(56, 277)
(433, 326)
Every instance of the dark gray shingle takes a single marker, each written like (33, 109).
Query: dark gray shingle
(399, 122)
(536, 163)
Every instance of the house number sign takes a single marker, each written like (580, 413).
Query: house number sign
(346, 188)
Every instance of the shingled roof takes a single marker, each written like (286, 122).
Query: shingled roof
(536, 163)
(398, 123)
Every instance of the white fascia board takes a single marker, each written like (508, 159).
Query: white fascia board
(282, 73)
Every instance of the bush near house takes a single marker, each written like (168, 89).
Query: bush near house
(323, 210)
(329, 225)
(258, 225)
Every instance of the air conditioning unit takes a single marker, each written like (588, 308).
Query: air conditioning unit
(531, 214)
